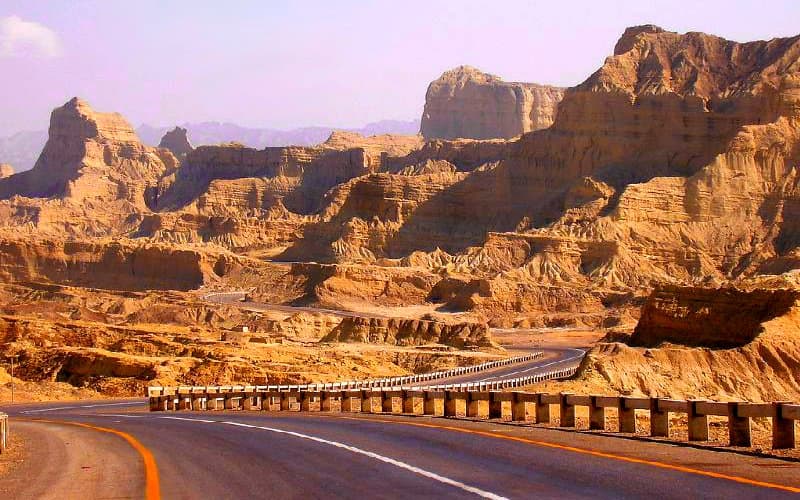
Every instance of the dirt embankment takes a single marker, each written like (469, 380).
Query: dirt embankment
(709, 317)
(687, 326)
(76, 343)
(114, 265)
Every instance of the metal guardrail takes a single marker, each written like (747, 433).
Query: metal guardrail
(356, 384)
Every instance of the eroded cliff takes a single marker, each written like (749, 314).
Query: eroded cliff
(467, 103)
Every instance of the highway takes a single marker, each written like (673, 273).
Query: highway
(238, 299)
(118, 449)
(287, 455)
(554, 359)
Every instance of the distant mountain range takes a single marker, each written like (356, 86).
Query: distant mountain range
(22, 149)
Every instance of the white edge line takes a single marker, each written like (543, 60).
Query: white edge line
(127, 403)
(397, 463)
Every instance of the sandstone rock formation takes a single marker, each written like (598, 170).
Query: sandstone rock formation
(674, 165)
(177, 141)
(410, 332)
(393, 145)
(115, 265)
(6, 170)
(746, 346)
(467, 103)
(686, 170)
(711, 317)
(91, 155)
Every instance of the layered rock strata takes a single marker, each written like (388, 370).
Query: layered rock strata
(410, 332)
(711, 317)
(467, 103)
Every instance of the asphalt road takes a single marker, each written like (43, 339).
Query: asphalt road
(554, 359)
(234, 454)
(283, 455)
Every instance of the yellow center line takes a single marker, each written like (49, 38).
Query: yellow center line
(152, 490)
(585, 451)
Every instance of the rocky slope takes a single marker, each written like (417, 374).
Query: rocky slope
(712, 317)
(119, 342)
(701, 351)
(467, 103)
(115, 265)
(664, 165)
(410, 332)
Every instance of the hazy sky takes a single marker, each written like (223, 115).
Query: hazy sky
(339, 63)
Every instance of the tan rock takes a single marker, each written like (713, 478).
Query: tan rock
(177, 141)
(91, 155)
(710, 317)
(410, 332)
(467, 103)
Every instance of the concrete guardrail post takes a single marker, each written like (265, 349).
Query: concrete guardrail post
(392, 401)
(542, 409)
(230, 401)
(271, 401)
(738, 427)
(155, 403)
(567, 411)
(413, 401)
(478, 404)
(455, 404)
(214, 400)
(290, 400)
(659, 419)
(351, 401)
(521, 405)
(331, 401)
(251, 401)
(626, 417)
(199, 397)
(597, 415)
(237, 400)
(434, 403)
(783, 429)
(3, 432)
(311, 401)
(371, 401)
(698, 424)
(501, 405)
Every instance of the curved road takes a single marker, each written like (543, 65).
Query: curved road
(283, 455)
(555, 357)
(78, 447)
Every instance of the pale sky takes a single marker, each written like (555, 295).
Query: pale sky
(284, 64)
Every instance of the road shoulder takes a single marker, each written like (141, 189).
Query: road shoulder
(63, 461)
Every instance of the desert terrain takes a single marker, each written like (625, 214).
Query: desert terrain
(650, 214)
